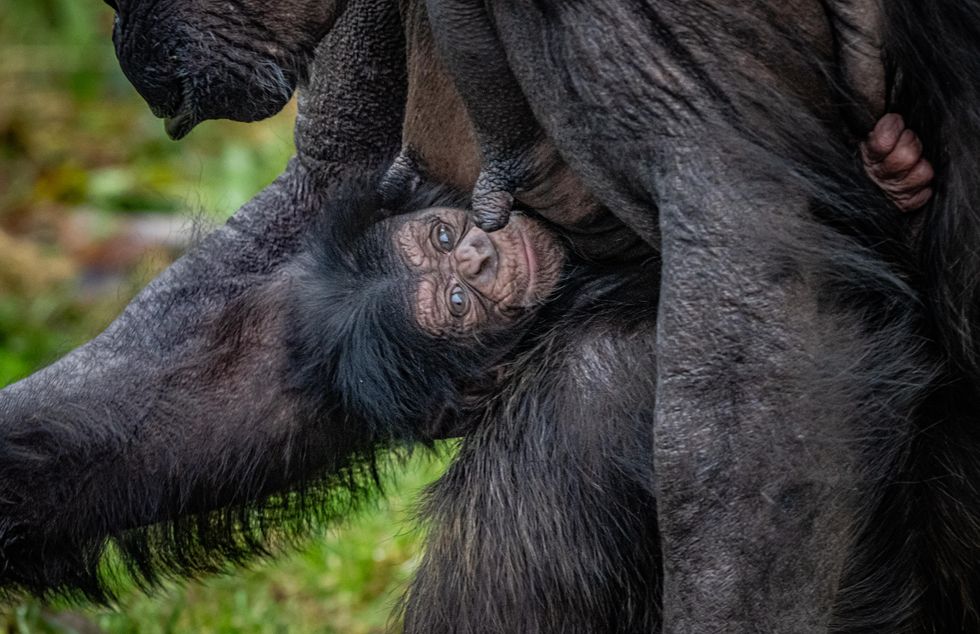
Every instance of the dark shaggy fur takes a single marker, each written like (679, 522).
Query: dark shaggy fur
(933, 55)
(268, 487)
(546, 521)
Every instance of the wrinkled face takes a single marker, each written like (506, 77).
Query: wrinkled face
(194, 60)
(470, 281)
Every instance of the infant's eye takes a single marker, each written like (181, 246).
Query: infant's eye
(459, 301)
(444, 237)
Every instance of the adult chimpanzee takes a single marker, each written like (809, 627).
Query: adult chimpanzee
(742, 435)
(827, 358)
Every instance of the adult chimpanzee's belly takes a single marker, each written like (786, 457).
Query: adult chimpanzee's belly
(440, 136)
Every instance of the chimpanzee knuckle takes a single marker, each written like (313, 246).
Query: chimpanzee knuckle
(905, 155)
(877, 148)
(920, 175)
(916, 201)
(897, 164)
(491, 210)
(878, 173)
(913, 140)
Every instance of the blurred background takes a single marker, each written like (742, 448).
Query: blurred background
(94, 201)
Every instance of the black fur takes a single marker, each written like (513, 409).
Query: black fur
(933, 56)
(546, 520)
(179, 513)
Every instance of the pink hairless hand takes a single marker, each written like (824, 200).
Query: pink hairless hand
(893, 159)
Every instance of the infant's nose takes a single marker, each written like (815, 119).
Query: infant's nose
(476, 257)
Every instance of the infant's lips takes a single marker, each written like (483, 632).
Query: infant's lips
(531, 262)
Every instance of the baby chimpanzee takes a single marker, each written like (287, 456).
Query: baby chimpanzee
(398, 314)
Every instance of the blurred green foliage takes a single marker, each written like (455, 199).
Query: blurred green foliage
(81, 159)
(75, 136)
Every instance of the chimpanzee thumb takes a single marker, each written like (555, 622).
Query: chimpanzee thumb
(492, 202)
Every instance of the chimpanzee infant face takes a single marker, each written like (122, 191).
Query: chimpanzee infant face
(470, 280)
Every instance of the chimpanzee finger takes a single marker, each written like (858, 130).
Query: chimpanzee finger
(492, 198)
(491, 210)
(902, 158)
(884, 137)
(913, 201)
(917, 178)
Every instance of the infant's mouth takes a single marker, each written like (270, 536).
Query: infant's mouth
(531, 262)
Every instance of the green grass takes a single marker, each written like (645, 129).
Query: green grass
(74, 137)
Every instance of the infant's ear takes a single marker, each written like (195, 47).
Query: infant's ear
(401, 180)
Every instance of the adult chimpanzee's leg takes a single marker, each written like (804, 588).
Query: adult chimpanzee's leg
(779, 374)
(182, 406)
(759, 417)
(546, 522)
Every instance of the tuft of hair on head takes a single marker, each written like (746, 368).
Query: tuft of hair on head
(354, 342)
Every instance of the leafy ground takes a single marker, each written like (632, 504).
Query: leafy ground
(94, 199)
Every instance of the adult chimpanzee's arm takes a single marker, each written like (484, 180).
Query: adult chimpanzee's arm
(779, 376)
(505, 128)
(180, 407)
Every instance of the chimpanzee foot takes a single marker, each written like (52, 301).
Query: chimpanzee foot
(402, 178)
(893, 159)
